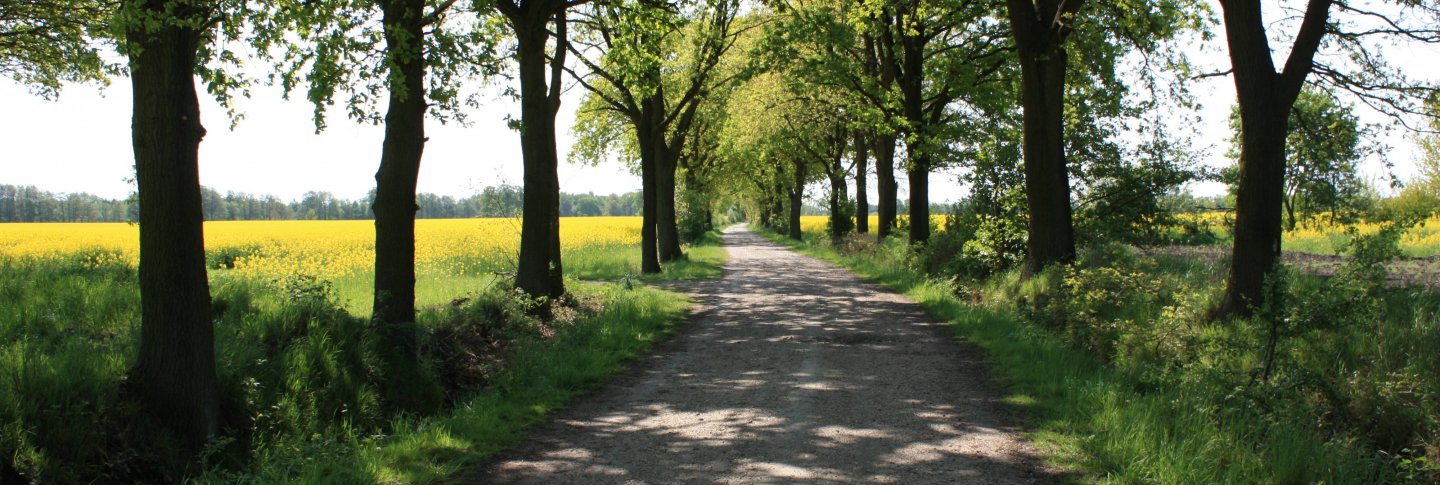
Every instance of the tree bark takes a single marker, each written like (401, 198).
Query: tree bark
(919, 173)
(1265, 98)
(667, 232)
(885, 182)
(839, 221)
(797, 202)
(1039, 38)
(649, 239)
(174, 376)
(539, 272)
(862, 201)
(400, 155)
(1258, 214)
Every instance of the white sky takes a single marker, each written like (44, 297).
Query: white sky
(81, 143)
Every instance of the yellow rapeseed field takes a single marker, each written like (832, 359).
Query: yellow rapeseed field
(1318, 236)
(818, 224)
(326, 249)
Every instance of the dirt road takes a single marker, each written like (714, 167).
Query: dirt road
(792, 370)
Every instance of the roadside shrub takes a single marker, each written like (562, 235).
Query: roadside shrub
(470, 336)
(1109, 293)
(972, 245)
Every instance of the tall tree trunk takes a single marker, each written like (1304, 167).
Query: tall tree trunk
(885, 181)
(667, 231)
(400, 155)
(839, 221)
(1039, 37)
(1258, 227)
(393, 311)
(649, 239)
(862, 201)
(1265, 98)
(919, 173)
(797, 202)
(912, 101)
(174, 377)
(539, 272)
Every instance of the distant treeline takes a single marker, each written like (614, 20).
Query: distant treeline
(30, 204)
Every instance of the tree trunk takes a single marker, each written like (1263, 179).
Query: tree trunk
(667, 230)
(919, 173)
(797, 202)
(539, 272)
(393, 313)
(885, 181)
(1047, 179)
(1290, 212)
(1265, 98)
(862, 201)
(1258, 211)
(649, 240)
(839, 221)
(174, 377)
(404, 144)
(919, 205)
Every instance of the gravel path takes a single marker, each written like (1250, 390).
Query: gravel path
(792, 370)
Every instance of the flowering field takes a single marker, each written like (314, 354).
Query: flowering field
(325, 249)
(1318, 236)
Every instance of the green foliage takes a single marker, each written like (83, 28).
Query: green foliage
(694, 220)
(974, 244)
(339, 48)
(46, 44)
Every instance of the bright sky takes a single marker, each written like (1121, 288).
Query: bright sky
(81, 143)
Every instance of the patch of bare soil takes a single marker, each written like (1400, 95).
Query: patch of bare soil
(1404, 272)
(792, 371)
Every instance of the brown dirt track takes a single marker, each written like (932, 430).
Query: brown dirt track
(792, 370)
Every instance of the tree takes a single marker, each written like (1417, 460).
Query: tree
(1042, 29)
(913, 68)
(174, 378)
(1266, 97)
(539, 272)
(862, 201)
(628, 47)
(767, 141)
(45, 43)
(1424, 189)
(340, 40)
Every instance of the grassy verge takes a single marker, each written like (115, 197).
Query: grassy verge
(538, 376)
(1113, 400)
(299, 370)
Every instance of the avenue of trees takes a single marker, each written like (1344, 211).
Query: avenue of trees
(1055, 111)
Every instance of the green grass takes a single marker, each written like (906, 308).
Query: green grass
(298, 366)
(540, 376)
(1128, 416)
